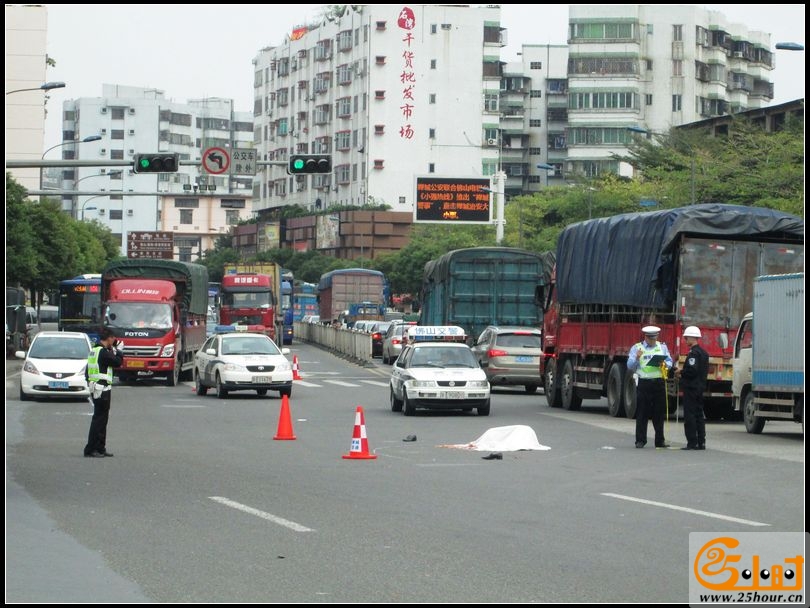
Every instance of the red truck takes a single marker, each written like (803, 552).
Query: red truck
(252, 300)
(671, 268)
(157, 309)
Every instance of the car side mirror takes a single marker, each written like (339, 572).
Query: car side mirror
(211, 351)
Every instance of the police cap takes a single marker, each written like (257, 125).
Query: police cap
(651, 330)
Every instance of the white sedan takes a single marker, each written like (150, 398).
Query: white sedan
(55, 365)
(242, 361)
(438, 375)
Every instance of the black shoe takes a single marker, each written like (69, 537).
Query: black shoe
(701, 446)
(94, 455)
(662, 445)
(689, 447)
(639, 444)
(108, 454)
(493, 456)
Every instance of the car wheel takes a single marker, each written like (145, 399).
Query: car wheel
(386, 360)
(531, 388)
(407, 406)
(201, 388)
(23, 396)
(285, 392)
(615, 390)
(396, 404)
(484, 409)
(222, 392)
(261, 392)
(553, 397)
(753, 424)
(570, 399)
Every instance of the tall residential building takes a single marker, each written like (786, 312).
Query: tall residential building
(26, 62)
(391, 92)
(132, 120)
(654, 67)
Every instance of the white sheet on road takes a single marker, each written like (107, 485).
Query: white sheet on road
(503, 439)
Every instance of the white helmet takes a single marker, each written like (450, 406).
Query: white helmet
(691, 332)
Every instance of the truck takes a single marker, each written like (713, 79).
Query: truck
(480, 286)
(157, 310)
(769, 353)
(339, 289)
(671, 268)
(251, 295)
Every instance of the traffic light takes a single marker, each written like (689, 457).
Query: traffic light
(310, 163)
(156, 163)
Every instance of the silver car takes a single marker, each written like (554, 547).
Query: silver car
(394, 340)
(510, 356)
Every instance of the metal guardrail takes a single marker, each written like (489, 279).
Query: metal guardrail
(353, 344)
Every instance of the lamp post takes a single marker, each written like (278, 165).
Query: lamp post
(76, 142)
(789, 46)
(43, 87)
(90, 208)
(87, 201)
(648, 133)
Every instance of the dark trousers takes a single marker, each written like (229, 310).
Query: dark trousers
(694, 422)
(651, 404)
(97, 437)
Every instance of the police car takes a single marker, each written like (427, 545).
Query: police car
(437, 370)
(240, 358)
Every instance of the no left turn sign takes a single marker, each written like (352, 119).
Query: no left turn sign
(216, 161)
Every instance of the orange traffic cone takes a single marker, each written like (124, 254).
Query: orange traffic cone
(285, 430)
(359, 449)
(296, 375)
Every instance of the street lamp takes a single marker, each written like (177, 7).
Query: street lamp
(43, 87)
(87, 201)
(90, 208)
(648, 133)
(789, 46)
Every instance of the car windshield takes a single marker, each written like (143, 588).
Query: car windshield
(59, 348)
(522, 340)
(249, 345)
(437, 356)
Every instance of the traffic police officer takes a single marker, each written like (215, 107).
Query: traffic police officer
(693, 383)
(651, 390)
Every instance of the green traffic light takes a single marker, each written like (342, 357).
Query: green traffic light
(144, 163)
(298, 164)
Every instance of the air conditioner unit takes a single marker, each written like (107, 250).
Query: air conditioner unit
(132, 150)
(132, 131)
(102, 171)
(104, 131)
(492, 141)
(129, 212)
(101, 211)
(132, 110)
(103, 151)
(103, 110)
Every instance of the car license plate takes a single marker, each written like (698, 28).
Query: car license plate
(524, 359)
(57, 384)
(135, 364)
(262, 379)
(453, 395)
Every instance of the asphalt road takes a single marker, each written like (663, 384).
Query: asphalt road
(202, 504)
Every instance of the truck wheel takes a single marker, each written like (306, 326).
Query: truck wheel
(615, 390)
(174, 376)
(552, 387)
(570, 399)
(629, 396)
(753, 424)
(201, 389)
(222, 392)
(396, 404)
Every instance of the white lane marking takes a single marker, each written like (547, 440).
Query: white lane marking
(263, 514)
(376, 383)
(303, 383)
(341, 383)
(178, 406)
(653, 503)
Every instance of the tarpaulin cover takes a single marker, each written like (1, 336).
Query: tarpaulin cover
(631, 259)
(504, 439)
(195, 297)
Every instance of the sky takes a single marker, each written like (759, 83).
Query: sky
(206, 51)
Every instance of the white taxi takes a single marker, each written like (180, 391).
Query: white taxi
(242, 361)
(437, 370)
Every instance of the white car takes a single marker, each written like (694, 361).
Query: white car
(242, 361)
(438, 375)
(55, 365)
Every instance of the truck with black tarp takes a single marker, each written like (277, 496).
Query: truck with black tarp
(671, 268)
(480, 286)
(157, 309)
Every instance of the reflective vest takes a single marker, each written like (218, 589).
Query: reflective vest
(649, 372)
(93, 372)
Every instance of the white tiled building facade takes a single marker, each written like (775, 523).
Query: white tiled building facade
(131, 121)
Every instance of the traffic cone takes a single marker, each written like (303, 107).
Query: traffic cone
(285, 430)
(296, 375)
(359, 449)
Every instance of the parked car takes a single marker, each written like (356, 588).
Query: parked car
(54, 365)
(393, 341)
(242, 361)
(377, 331)
(438, 372)
(510, 356)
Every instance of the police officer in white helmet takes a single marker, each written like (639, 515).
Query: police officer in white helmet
(693, 383)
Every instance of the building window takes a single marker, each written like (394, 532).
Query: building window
(491, 102)
(535, 122)
(117, 134)
(432, 133)
(649, 65)
(117, 113)
(379, 129)
(536, 93)
(231, 217)
(379, 94)
(676, 103)
(186, 216)
(378, 163)
(116, 214)
(379, 60)
(446, 26)
(434, 28)
(381, 25)
(649, 29)
(432, 98)
(648, 99)
(432, 64)
(431, 167)
(116, 155)
(535, 151)
(677, 67)
(536, 65)
(677, 33)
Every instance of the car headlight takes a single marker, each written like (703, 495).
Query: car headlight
(168, 351)
(234, 367)
(30, 368)
(421, 384)
(284, 366)
(478, 384)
